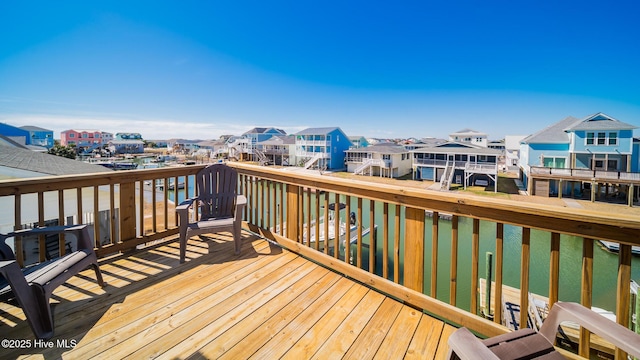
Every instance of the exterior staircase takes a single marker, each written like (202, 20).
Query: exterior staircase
(447, 177)
(367, 164)
(262, 158)
(313, 160)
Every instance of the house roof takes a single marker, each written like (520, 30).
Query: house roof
(382, 148)
(276, 140)
(468, 132)
(33, 128)
(262, 130)
(600, 121)
(553, 134)
(318, 131)
(558, 133)
(23, 159)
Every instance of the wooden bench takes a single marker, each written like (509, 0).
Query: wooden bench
(32, 286)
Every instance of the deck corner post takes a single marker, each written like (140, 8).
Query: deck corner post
(414, 249)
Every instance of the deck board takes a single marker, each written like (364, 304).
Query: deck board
(264, 303)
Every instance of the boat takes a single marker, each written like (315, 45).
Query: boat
(112, 163)
(309, 237)
(615, 247)
(172, 185)
(119, 165)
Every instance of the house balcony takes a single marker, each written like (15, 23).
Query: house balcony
(302, 142)
(311, 154)
(285, 295)
(585, 175)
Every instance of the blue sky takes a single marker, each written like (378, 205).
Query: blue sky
(200, 69)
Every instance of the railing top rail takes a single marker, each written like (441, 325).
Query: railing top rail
(53, 183)
(580, 222)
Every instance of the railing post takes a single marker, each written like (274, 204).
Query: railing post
(128, 211)
(414, 249)
(292, 212)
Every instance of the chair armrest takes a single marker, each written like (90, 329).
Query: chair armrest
(11, 271)
(81, 232)
(467, 346)
(186, 204)
(241, 202)
(615, 333)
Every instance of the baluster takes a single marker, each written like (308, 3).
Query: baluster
(453, 284)
(96, 218)
(61, 218)
(475, 253)
(292, 211)
(434, 254)
(112, 218)
(281, 211)
(524, 276)
(359, 234)
(17, 213)
(497, 302)
(385, 240)
(317, 227)
(372, 237)
(336, 228)
(396, 246)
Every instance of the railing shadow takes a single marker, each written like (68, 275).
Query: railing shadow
(84, 312)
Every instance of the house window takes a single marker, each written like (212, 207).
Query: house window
(602, 138)
(72, 135)
(553, 162)
(85, 135)
(612, 165)
(386, 157)
(598, 164)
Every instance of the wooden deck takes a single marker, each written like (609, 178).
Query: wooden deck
(264, 303)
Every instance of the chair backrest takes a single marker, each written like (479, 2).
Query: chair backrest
(5, 251)
(217, 190)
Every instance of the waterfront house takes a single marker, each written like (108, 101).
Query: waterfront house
(84, 140)
(258, 134)
(127, 143)
(469, 136)
(456, 163)
(384, 159)
(238, 147)
(182, 146)
(589, 157)
(39, 136)
(359, 141)
(512, 150)
(322, 148)
(33, 136)
(278, 150)
(211, 148)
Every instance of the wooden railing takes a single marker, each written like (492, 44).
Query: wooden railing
(399, 257)
(138, 211)
(287, 205)
(587, 174)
